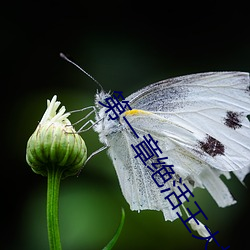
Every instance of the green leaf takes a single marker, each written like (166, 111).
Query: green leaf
(117, 234)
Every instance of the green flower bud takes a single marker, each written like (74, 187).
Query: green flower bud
(55, 144)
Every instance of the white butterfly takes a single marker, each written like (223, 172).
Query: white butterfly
(201, 125)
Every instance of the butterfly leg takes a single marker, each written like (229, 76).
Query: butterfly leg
(91, 155)
(81, 129)
(86, 116)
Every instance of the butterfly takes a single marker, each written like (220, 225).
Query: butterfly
(200, 122)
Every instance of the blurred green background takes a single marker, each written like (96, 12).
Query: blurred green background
(125, 47)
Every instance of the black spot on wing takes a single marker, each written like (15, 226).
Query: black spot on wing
(233, 119)
(212, 146)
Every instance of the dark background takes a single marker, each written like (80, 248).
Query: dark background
(125, 45)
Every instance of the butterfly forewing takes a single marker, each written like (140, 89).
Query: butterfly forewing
(213, 107)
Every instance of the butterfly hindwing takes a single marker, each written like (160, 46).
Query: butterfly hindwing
(135, 179)
(177, 144)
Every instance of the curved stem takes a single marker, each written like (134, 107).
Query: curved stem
(54, 177)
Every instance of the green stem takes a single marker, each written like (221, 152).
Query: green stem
(54, 177)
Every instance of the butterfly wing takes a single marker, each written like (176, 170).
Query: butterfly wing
(213, 107)
(178, 145)
(201, 125)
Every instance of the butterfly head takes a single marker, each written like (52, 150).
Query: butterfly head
(105, 122)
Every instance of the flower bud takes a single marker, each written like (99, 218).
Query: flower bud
(55, 144)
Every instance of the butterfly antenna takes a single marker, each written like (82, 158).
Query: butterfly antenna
(86, 73)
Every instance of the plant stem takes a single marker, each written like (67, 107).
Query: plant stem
(54, 177)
